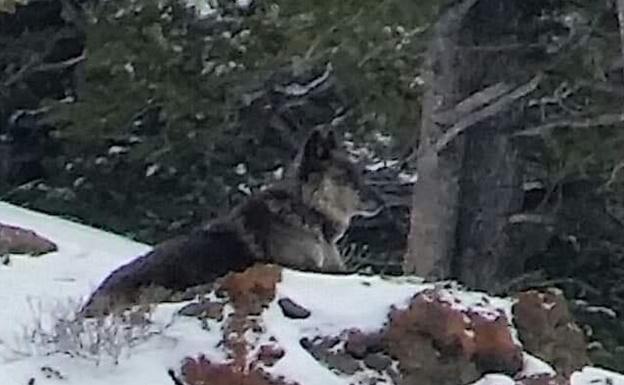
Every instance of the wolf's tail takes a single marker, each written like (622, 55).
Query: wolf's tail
(177, 264)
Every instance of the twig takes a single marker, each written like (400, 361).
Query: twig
(35, 60)
(45, 67)
(614, 174)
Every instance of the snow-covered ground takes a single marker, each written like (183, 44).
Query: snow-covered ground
(86, 255)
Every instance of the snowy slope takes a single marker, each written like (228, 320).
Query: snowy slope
(87, 255)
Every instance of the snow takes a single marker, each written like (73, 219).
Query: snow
(203, 8)
(86, 255)
(244, 4)
(596, 376)
(381, 164)
(533, 365)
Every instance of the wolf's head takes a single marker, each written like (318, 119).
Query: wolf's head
(331, 182)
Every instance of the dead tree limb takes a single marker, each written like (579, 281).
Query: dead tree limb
(486, 112)
(472, 103)
(594, 121)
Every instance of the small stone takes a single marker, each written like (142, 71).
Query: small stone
(269, 355)
(359, 344)
(206, 309)
(342, 362)
(377, 361)
(293, 310)
(356, 344)
(194, 309)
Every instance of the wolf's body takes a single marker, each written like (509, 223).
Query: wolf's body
(295, 223)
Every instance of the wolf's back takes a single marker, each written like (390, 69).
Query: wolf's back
(198, 258)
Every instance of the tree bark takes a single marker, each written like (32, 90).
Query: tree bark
(434, 203)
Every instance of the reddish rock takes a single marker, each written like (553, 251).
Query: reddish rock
(200, 371)
(547, 330)
(437, 343)
(495, 349)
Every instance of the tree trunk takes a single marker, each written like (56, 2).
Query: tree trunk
(620, 14)
(470, 183)
(434, 204)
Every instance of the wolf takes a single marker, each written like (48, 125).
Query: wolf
(294, 223)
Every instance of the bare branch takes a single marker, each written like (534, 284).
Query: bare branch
(614, 174)
(16, 77)
(36, 59)
(538, 219)
(595, 121)
(45, 67)
(486, 112)
(473, 102)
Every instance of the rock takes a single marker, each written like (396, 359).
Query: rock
(269, 354)
(438, 343)
(322, 349)
(206, 309)
(194, 309)
(293, 310)
(359, 344)
(342, 362)
(356, 344)
(14, 240)
(547, 330)
(377, 361)
(201, 371)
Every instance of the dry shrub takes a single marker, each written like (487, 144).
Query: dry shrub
(94, 339)
(200, 371)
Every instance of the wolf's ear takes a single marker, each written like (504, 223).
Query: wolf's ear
(316, 150)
